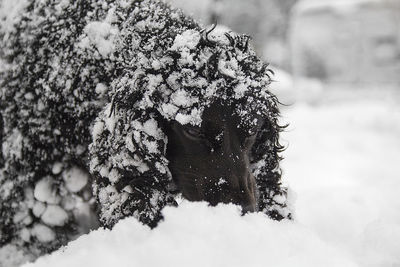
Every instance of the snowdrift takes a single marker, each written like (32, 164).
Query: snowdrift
(198, 235)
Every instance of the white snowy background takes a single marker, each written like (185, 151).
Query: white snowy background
(341, 165)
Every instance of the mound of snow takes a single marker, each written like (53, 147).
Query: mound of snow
(198, 235)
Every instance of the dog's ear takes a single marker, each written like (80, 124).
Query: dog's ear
(1, 141)
(164, 124)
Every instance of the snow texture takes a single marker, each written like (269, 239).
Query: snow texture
(54, 216)
(199, 235)
(44, 191)
(86, 88)
(75, 179)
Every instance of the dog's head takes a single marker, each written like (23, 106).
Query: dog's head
(212, 161)
(193, 111)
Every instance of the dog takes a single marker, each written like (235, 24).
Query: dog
(112, 109)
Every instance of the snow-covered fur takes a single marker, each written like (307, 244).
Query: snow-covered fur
(85, 89)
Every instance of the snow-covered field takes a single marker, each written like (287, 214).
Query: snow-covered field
(342, 165)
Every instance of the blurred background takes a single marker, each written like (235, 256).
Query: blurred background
(337, 72)
(340, 43)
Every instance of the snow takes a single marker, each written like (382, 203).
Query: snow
(44, 191)
(10, 10)
(101, 89)
(54, 216)
(12, 256)
(97, 129)
(68, 203)
(218, 34)
(347, 184)
(187, 40)
(20, 216)
(57, 168)
(7, 189)
(13, 146)
(110, 121)
(150, 127)
(198, 235)
(75, 179)
(193, 118)
(222, 181)
(43, 233)
(100, 34)
(182, 98)
(341, 164)
(38, 209)
(240, 90)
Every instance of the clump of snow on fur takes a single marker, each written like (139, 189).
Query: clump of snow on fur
(101, 88)
(100, 34)
(181, 98)
(219, 34)
(11, 255)
(222, 181)
(10, 12)
(45, 191)
(6, 189)
(75, 179)
(43, 233)
(54, 215)
(150, 127)
(228, 67)
(97, 129)
(193, 118)
(57, 168)
(111, 120)
(186, 40)
(38, 208)
(184, 43)
(13, 145)
(240, 90)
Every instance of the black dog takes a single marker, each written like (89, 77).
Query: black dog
(139, 102)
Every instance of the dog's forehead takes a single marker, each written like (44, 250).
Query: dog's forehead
(218, 114)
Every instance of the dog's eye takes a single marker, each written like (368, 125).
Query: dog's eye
(252, 132)
(193, 132)
(250, 138)
(255, 128)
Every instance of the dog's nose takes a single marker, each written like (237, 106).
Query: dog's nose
(242, 192)
(248, 208)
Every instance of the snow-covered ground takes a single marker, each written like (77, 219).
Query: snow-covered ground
(342, 163)
(342, 166)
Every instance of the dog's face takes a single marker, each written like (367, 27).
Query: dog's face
(212, 162)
